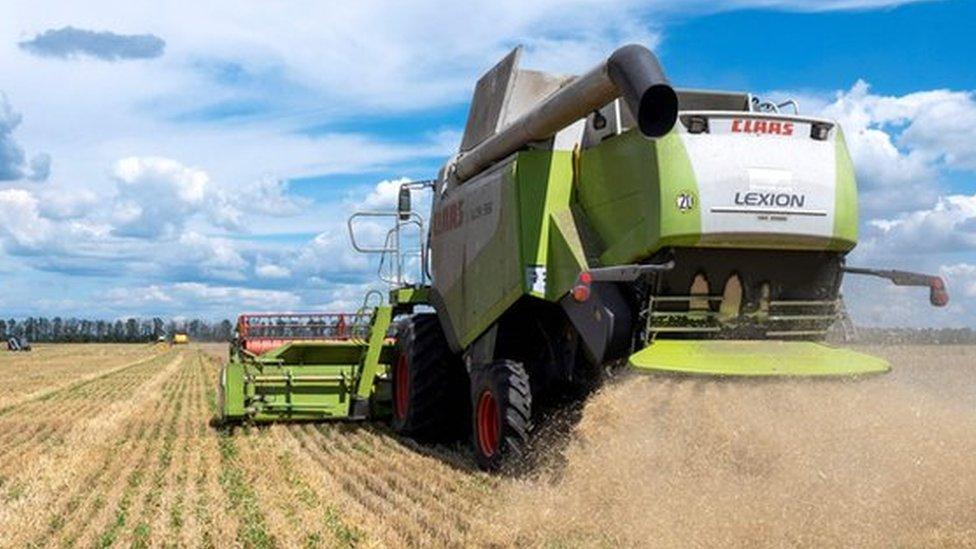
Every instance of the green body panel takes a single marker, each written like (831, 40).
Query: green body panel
(485, 254)
(371, 364)
(410, 295)
(628, 186)
(545, 184)
(753, 358)
(845, 199)
(566, 257)
(493, 279)
(534, 229)
(232, 390)
(306, 380)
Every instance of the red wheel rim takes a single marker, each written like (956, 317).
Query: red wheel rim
(402, 387)
(488, 423)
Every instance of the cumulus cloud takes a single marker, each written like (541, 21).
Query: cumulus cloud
(209, 257)
(949, 226)
(40, 167)
(11, 154)
(13, 164)
(384, 195)
(21, 225)
(963, 278)
(87, 234)
(900, 144)
(194, 296)
(271, 271)
(934, 124)
(329, 252)
(59, 203)
(70, 42)
(157, 197)
(269, 196)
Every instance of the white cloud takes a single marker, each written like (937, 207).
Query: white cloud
(900, 143)
(271, 271)
(192, 296)
(949, 226)
(384, 195)
(329, 252)
(268, 196)
(156, 195)
(935, 125)
(962, 277)
(13, 163)
(211, 257)
(21, 224)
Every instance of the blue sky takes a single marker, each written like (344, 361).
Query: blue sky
(200, 159)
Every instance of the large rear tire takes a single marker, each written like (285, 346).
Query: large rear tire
(429, 383)
(502, 413)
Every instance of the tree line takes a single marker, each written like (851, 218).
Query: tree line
(139, 330)
(127, 330)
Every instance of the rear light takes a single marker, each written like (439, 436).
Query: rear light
(820, 131)
(695, 124)
(581, 291)
(599, 121)
(938, 296)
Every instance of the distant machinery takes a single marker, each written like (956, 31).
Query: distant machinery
(15, 343)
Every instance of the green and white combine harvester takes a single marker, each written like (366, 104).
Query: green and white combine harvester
(585, 222)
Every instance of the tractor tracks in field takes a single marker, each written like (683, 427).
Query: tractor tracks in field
(410, 498)
(48, 420)
(90, 380)
(137, 464)
(98, 432)
(154, 480)
(55, 386)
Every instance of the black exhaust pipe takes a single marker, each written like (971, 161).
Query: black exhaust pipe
(636, 72)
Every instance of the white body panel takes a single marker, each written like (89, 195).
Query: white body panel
(763, 174)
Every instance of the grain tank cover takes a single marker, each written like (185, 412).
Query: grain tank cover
(503, 94)
(540, 108)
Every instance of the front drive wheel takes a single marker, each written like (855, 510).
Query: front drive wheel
(501, 413)
(429, 398)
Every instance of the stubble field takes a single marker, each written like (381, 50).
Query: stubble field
(112, 446)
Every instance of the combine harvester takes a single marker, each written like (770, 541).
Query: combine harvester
(603, 219)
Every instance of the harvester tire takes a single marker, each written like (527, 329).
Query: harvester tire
(429, 383)
(502, 413)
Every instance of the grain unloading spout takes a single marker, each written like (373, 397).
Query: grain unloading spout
(632, 72)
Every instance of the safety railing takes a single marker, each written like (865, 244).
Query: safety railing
(395, 252)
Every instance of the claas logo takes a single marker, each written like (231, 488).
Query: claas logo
(448, 218)
(762, 127)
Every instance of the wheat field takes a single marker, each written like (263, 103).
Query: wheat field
(112, 445)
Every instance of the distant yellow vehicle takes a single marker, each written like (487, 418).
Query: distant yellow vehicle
(180, 339)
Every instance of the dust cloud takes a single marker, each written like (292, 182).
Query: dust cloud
(658, 461)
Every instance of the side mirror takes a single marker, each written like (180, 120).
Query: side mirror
(403, 204)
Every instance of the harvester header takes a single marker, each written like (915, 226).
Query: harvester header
(261, 332)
